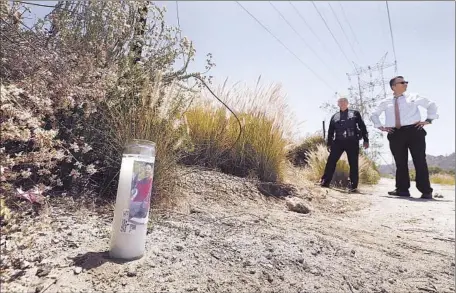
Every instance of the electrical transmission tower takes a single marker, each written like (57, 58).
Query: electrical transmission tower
(370, 85)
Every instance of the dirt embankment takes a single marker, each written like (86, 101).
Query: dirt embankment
(228, 237)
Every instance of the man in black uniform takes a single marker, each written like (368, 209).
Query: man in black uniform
(348, 127)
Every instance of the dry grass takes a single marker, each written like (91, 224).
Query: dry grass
(299, 154)
(261, 149)
(154, 115)
(317, 161)
(444, 179)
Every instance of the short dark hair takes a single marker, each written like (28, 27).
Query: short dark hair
(393, 80)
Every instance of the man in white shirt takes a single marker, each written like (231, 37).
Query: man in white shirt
(405, 132)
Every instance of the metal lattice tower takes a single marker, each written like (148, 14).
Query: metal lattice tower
(370, 85)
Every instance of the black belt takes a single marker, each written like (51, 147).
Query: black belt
(406, 126)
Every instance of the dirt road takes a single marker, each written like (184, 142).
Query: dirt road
(230, 238)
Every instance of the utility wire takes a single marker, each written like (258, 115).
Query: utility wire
(392, 38)
(288, 49)
(343, 30)
(36, 4)
(349, 25)
(305, 22)
(326, 24)
(301, 37)
(209, 89)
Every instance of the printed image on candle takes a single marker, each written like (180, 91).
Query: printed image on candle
(141, 188)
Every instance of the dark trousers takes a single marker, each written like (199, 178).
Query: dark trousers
(401, 141)
(351, 147)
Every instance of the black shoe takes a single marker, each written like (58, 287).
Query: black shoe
(399, 193)
(426, 196)
(353, 190)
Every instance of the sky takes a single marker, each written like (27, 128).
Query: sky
(424, 38)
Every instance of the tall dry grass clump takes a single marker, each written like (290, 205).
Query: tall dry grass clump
(261, 149)
(317, 161)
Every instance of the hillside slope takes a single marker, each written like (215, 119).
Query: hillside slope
(444, 162)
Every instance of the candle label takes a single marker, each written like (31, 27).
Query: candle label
(140, 192)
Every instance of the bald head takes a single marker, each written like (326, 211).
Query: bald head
(342, 103)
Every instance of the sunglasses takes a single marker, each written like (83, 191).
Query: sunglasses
(402, 82)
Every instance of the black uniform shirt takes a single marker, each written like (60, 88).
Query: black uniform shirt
(343, 123)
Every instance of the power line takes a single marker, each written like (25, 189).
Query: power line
(322, 18)
(36, 4)
(392, 38)
(342, 28)
(300, 36)
(305, 22)
(288, 49)
(349, 25)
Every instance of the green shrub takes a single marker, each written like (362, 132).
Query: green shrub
(298, 155)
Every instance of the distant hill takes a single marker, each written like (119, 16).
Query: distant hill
(444, 162)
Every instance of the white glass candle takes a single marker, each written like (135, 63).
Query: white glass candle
(131, 214)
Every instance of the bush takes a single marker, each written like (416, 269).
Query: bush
(444, 179)
(299, 155)
(437, 176)
(260, 151)
(73, 94)
(317, 161)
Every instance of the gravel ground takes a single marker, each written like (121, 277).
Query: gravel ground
(226, 236)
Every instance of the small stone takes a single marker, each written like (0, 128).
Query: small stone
(398, 236)
(353, 252)
(131, 272)
(252, 272)
(314, 253)
(429, 275)
(39, 288)
(77, 270)
(401, 270)
(247, 264)
(268, 277)
(124, 283)
(452, 264)
(55, 240)
(391, 281)
(296, 205)
(179, 247)
(43, 271)
(301, 260)
(24, 265)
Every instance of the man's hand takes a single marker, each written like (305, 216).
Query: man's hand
(366, 145)
(421, 124)
(387, 129)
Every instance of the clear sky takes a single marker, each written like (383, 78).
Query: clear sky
(424, 35)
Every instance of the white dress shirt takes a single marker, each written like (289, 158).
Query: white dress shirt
(408, 109)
